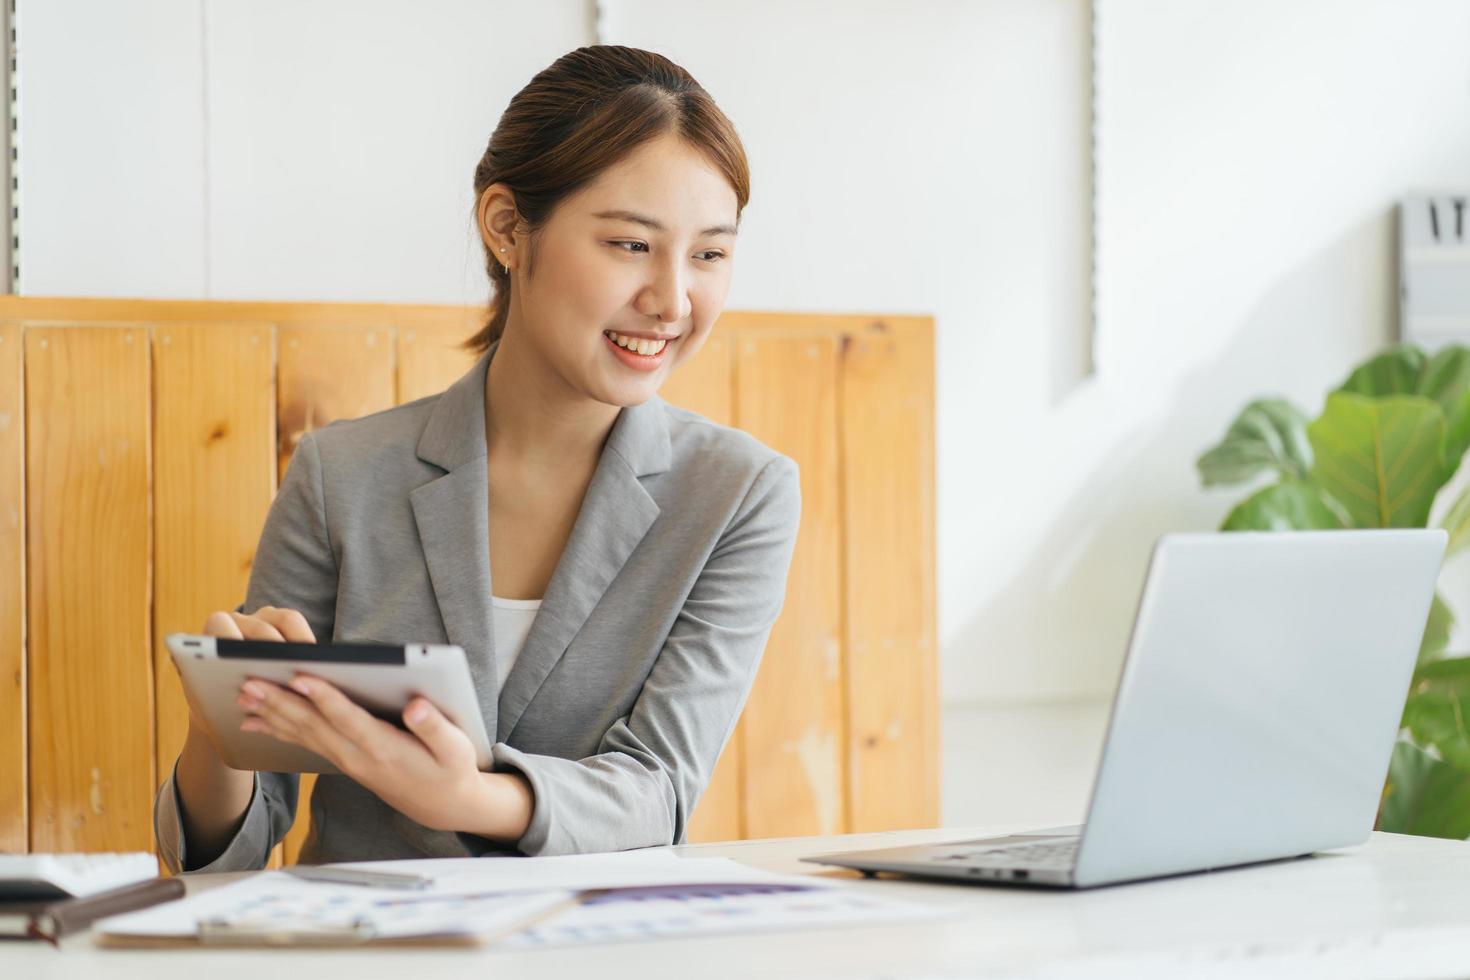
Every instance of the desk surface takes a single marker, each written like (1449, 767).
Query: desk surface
(1394, 906)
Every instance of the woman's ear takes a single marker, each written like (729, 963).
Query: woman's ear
(498, 220)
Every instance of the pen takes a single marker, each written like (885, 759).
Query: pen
(355, 876)
(227, 932)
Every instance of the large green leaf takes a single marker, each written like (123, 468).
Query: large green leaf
(1381, 458)
(1394, 372)
(1387, 442)
(1457, 522)
(1438, 709)
(1269, 434)
(1443, 379)
(1446, 380)
(1436, 631)
(1425, 796)
(1291, 505)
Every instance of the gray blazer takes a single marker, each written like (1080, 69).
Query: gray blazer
(638, 662)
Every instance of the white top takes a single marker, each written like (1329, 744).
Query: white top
(513, 618)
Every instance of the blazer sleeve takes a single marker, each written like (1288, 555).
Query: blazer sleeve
(294, 568)
(653, 764)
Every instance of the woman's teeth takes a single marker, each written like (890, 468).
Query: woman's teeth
(637, 345)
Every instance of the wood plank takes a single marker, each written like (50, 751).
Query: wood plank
(13, 810)
(795, 729)
(326, 374)
(89, 670)
(720, 813)
(430, 361)
(706, 384)
(329, 373)
(215, 474)
(463, 319)
(888, 494)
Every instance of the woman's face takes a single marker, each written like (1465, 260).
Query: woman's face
(643, 254)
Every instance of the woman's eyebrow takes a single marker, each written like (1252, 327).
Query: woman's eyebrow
(655, 224)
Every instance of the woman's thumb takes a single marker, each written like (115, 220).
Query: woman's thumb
(425, 721)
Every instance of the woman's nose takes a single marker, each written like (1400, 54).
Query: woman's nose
(666, 297)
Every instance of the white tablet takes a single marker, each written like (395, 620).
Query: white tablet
(380, 678)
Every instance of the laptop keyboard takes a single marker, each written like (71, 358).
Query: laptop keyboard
(1054, 854)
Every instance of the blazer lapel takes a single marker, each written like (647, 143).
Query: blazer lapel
(616, 512)
(452, 514)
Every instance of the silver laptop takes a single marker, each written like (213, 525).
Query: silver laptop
(1259, 702)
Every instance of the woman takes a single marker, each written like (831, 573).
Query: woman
(611, 565)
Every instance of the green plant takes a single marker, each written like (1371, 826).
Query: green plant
(1389, 439)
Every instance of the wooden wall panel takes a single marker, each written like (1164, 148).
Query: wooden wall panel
(888, 493)
(13, 810)
(89, 671)
(844, 717)
(330, 373)
(430, 361)
(325, 375)
(214, 437)
(706, 384)
(795, 738)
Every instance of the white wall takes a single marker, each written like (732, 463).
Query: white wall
(266, 149)
(344, 137)
(915, 158)
(933, 164)
(111, 129)
(1249, 160)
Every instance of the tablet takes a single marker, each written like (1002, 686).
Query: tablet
(379, 677)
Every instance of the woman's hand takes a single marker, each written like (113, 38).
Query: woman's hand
(214, 797)
(267, 623)
(427, 773)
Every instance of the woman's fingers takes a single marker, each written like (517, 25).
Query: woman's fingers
(372, 736)
(288, 622)
(223, 626)
(291, 717)
(267, 623)
(253, 628)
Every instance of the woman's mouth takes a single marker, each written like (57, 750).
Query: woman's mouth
(639, 353)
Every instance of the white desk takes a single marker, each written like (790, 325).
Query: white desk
(1397, 906)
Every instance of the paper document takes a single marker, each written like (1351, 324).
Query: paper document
(516, 902)
(681, 911)
(274, 907)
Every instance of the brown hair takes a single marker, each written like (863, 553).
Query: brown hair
(584, 113)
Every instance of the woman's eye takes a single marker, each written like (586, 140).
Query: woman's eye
(712, 255)
(632, 246)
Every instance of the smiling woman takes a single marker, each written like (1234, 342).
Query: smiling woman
(572, 129)
(641, 254)
(611, 565)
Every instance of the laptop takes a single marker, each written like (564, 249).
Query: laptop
(1258, 706)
